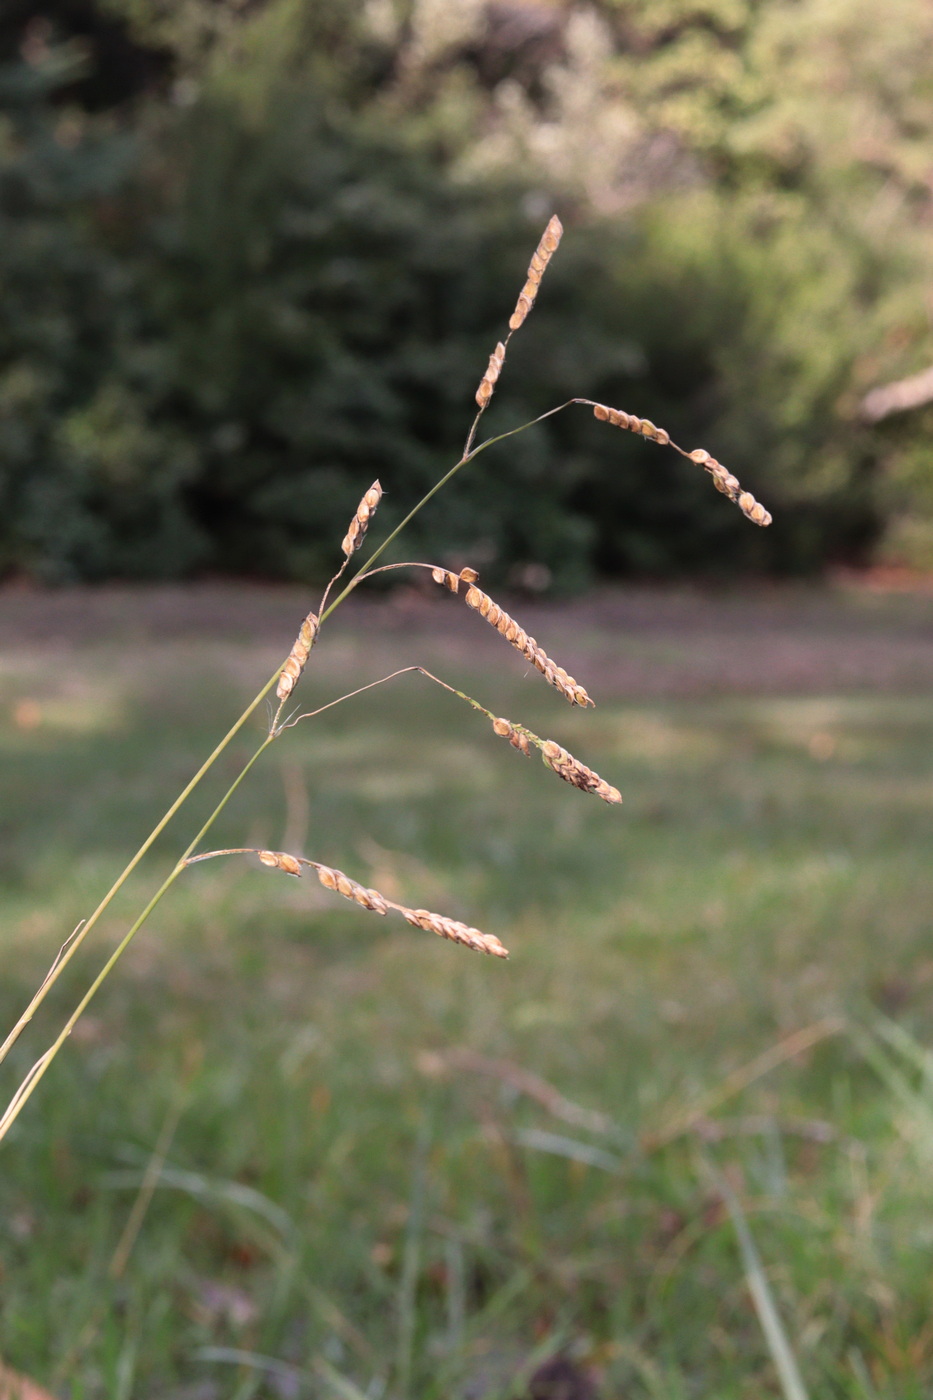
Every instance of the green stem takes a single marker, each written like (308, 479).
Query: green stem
(24, 1093)
(72, 947)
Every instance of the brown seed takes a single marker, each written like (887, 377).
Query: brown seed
(469, 575)
(446, 578)
(281, 861)
(360, 522)
(506, 730)
(307, 636)
(342, 884)
(555, 675)
(487, 383)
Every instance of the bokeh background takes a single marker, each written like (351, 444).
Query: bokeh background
(253, 255)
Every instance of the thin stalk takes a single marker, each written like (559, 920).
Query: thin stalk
(26, 1089)
(74, 943)
(467, 457)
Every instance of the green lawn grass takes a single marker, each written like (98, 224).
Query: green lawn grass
(363, 1187)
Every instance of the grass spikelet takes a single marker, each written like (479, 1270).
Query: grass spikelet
(454, 931)
(723, 479)
(360, 522)
(728, 484)
(280, 860)
(539, 261)
(451, 929)
(573, 771)
(446, 579)
(291, 671)
(497, 617)
(516, 737)
(488, 382)
(350, 889)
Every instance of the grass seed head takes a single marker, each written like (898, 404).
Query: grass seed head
(539, 261)
(456, 932)
(488, 382)
(555, 675)
(728, 484)
(516, 737)
(350, 889)
(281, 861)
(360, 522)
(723, 479)
(573, 771)
(446, 579)
(307, 636)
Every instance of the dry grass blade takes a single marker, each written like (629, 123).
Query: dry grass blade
(723, 479)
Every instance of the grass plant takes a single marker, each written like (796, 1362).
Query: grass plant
(370, 1190)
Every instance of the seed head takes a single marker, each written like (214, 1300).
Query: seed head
(723, 479)
(539, 261)
(516, 737)
(488, 382)
(573, 771)
(453, 930)
(336, 880)
(446, 579)
(307, 636)
(360, 522)
(281, 861)
(555, 675)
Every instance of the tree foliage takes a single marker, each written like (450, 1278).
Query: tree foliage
(265, 261)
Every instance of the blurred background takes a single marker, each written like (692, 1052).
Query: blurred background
(253, 255)
(251, 251)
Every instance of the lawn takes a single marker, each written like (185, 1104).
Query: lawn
(295, 1149)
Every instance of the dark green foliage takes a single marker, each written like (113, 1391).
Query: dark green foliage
(222, 316)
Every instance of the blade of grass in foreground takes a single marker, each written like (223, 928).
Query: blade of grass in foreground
(778, 1343)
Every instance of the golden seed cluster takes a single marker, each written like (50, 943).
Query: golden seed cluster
(516, 737)
(723, 479)
(539, 261)
(447, 579)
(307, 636)
(340, 883)
(350, 889)
(620, 419)
(554, 675)
(453, 930)
(281, 861)
(488, 381)
(725, 482)
(573, 771)
(360, 522)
